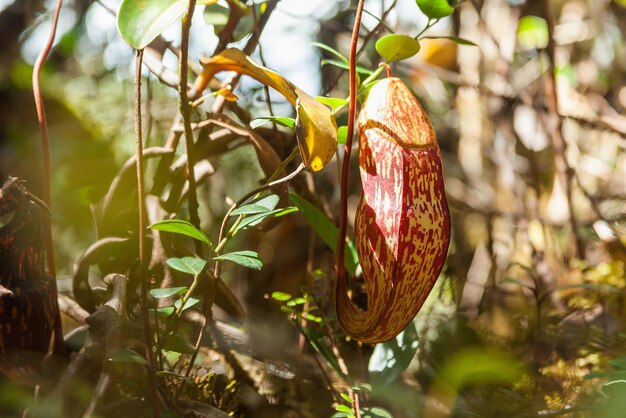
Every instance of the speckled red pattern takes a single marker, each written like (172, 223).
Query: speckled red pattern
(402, 226)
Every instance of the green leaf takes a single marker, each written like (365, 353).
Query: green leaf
(263, 205)
(190, 302)
(375, 412)
(391, 358)
(461, 41)
(435, 9)
(166, 292)
(166, 310)
(141, 21)
(618, 363)
(326, 230)
(313, 318)
(343, 65)
(254, 220)
(343, 408)
(126, 355)
(342, 134)
(189, 265)
(296, 302)
(396, 47)
(343, 415)
(331, 50)
(178, 344)
(478, 366)
(281, 296)
(179, 226)
(216, 15)
(316, 340)
(334, 103)
(363, 387)
(532, 32)
(280, 120)
(245, 258)
(346, 398)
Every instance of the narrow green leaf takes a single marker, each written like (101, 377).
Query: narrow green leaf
(326, 230)
(396, 47)
(316, 341)
(263, 205)
(340, 64)
(189, 265)
(456, 39)
(126, 355)
(166, 292)
(346, 398)
(179, 226)
(254, 220)
(251, 209)
(331, 50)
(178, 344)
(280, 120)
(435, 9)
(245, 258)
(190, 302)
(141, 21)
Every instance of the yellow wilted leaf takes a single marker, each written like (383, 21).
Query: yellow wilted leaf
(316, 129)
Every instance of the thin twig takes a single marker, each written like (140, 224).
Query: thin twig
(565, 171)
(207, 305)
(47, 172)
(223, 235)
(381, 24)
(185, 110)
(141, 236)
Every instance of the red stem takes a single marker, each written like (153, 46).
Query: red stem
(343, 214)
(387, 67)
(43, 129)
(46, 174)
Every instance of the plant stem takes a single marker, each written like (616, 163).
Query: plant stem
(430, 24)
(47, 175)
(223, 238)
(141, 236)
(185, 110)
(345, 171)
